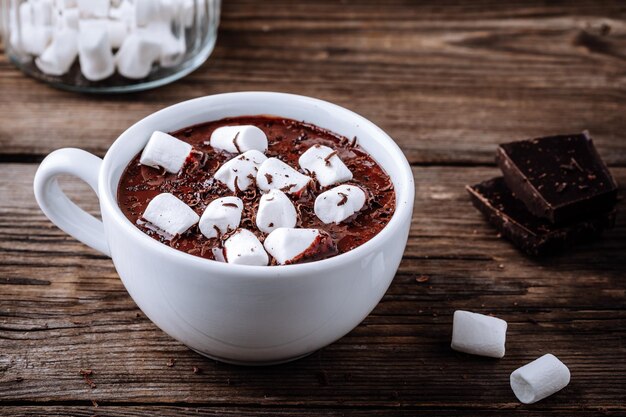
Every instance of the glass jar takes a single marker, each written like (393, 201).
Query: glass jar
(109, 46)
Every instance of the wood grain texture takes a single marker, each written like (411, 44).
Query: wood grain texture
(447, 80)
(64, 309)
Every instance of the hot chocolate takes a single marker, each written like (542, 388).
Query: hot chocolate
(257, 190)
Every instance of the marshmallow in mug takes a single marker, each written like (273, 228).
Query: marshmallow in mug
(329, 169)
(221, 216)
(275, 210)
(478, 334)
(288, 245)
(237, 139)
(274, 174)
(165, 151)
(170, 215)
(239, 172)
(244, 248)
(539, 379)
(339, 203)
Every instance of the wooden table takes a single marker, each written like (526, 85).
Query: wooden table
(448, 82)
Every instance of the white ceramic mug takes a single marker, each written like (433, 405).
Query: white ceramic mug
(235, 313)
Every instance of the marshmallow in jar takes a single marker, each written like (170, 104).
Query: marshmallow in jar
(109, 45)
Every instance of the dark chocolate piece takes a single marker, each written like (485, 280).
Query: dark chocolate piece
(531, 234)
(560, 178)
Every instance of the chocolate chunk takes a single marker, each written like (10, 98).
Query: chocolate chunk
(559, 178)
(531, 234)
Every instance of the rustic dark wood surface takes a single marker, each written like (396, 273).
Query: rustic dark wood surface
(448, 80)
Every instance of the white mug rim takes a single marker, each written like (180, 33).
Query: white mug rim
(404, 196)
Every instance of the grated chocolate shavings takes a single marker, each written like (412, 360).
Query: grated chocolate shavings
(235, 144)
(329, 156)
(344, 199)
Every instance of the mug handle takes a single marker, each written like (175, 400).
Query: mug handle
(55, 204)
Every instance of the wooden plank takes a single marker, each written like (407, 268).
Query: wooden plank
(199, 411)
(63, 309)
(447, 83)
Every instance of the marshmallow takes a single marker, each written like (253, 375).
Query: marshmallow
(275, 210)
(60, 55)
(218, 254)
(69, 19)
(339, 203)
(146, 11)
(539, 379)
(172, 45)
(35, 39)
(220, 216)
(125, 11)
(243, 248)
(165, 151)
(239, 173)
(27, 36)
(93, 8)
(25, 13)
(478, 334)
(171, 10)
(289, 245)
(43, 12)
(172, 50)
(94, 51)
(329, 169)
(274, 174)
(65, 4)
(137, 54)
(117, 32)
(170, 215)
(189, 13)
(237, 139)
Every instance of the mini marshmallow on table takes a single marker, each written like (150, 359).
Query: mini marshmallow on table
(339, 203)
(275, 210)
(170, 215)
(244, 248)
(539, 379)
(329, 169)
(239, 172)
(287, 245)
(478, 334)
(221, 216)
(274, 174)
(165, 151)
(237, 139)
